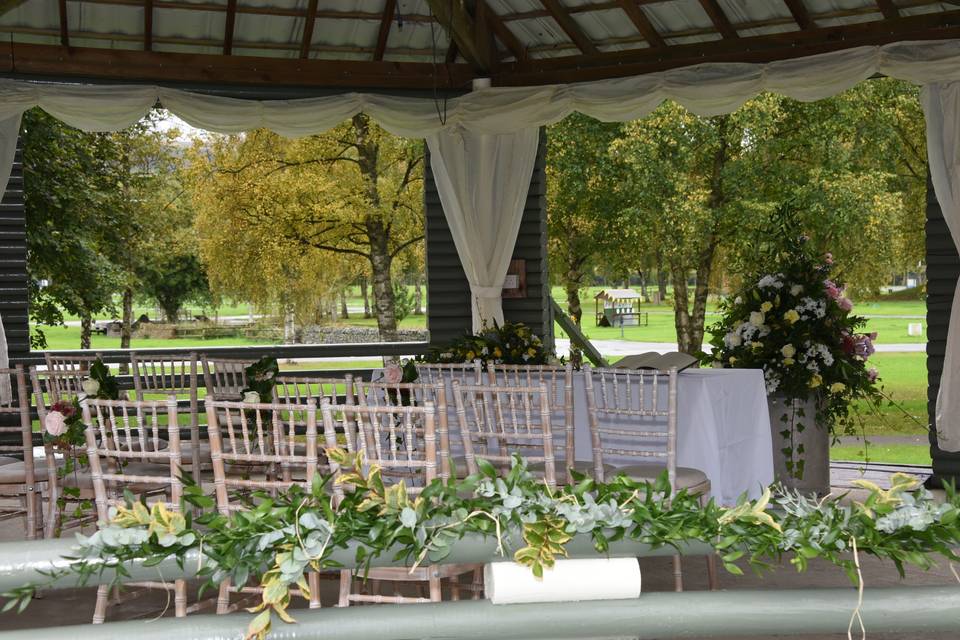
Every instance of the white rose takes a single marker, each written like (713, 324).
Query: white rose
(788, 351)
(757, 318)
(252, 397)
(392, 373)
(796, 289)
(733, 339)
(55, 423)
(91, 387)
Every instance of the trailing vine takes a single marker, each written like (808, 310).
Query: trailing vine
(277, 539)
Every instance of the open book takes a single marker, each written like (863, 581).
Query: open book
(654, 360)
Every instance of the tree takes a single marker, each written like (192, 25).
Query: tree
(353, 192)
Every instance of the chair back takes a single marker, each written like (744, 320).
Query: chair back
(70, 363)
(51, 386)
(401, 440)
(225, 378)
(125, 439)
(633, 417)
(171, 374)
(559, 381)
(17, 439)
(300, 389)
(265, 437)
(497, 421)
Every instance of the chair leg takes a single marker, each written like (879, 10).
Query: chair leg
(346, 579)
(713, 576)
(313, 581)
(223, 598)
(677, 573)
(180, 598)
(478, 583)
(100, 609)
(435, 593)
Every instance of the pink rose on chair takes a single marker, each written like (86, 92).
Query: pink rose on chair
(845, 303)
(393, 373)
(55, 424)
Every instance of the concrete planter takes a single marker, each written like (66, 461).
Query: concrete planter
(807, 467)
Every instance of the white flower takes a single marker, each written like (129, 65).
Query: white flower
(770, 281)
(732, 339)
(91, 387)
(251, 396)
(788, 351)
(757, 318)
(55, 423)
(738, 300)
(392, 373)
(796, 289)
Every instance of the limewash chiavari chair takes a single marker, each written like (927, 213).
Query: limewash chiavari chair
(402, 442)
(176, 374)
(300, 389)
(559, 380)
(124, 439)
(70, 363)
(225, 378)
(497, 421)
(633, 425)
(23, 479)
(266, 436)
(49, 387)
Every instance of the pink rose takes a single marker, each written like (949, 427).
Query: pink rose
(828, 258)
(845, 304)
(833, 291)
(872, 374)
(864, 346)
(55, 423)
(393, 373)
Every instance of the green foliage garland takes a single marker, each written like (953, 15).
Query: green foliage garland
(509, 343)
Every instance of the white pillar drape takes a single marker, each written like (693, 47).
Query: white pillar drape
(483, 180)
(941, 106)
(9, 133)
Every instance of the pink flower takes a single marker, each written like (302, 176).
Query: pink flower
(55, 423)
(64, 407)
(392, 373)
(845, 303)
(828, 258)
(863, 346)
(833, 291)
(872, 374)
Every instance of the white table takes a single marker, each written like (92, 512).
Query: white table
(723, 429)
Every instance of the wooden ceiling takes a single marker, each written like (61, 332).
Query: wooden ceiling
(483, 42)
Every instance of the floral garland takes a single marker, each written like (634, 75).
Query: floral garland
(261, 379)
(298, 531)
(509, 343)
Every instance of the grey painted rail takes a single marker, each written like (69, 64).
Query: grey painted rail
(692, 614)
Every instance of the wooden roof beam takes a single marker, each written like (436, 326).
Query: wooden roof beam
(308, 22)
(800, 14)
(642, 23)
(228, 27)
(389, 9)
(719, 19)
(888, 9)
(562, 17)
(148, 25)
(502, 31)
(460, 27)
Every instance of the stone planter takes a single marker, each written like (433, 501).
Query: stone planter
(811, 445)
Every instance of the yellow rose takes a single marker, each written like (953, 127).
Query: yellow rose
(787, 362)
(471, 355)
(732, 360)
(837, 387)
(531, 351)
(765, 307)
(497, 353)
(791, 316)
(757, 346)
(788, 350)
(815, 381)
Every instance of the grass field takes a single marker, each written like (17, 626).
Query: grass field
(894, 454)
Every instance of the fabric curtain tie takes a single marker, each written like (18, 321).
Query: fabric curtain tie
(486, 292)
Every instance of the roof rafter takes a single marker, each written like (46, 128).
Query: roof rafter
(719, 19)
(502, 31)
(800, 14)
(388, 11)
(888, 9)
(228, 26)
(642, 23)
(460, 28)
(562, 17)
(148, 25)
(308, 22)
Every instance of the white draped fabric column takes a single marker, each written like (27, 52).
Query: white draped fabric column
(941, 106)
(483, 180)
(9, 134)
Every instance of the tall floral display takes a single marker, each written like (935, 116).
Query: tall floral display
(797, 325)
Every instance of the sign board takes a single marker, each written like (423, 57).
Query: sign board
(515, 284)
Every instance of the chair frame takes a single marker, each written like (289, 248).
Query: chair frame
(31, 489)
(70, 363)
(224, 378)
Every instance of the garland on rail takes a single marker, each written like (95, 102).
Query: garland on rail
(279, 538)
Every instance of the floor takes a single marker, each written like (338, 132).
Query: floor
(75, 606)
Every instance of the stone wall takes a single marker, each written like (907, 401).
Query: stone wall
(325, 334)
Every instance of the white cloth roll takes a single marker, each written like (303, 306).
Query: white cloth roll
(567, 581)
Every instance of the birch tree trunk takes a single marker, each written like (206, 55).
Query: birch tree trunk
(365, 296)
(126, 325)
(417, 296)
(344, 312)
(86, 329)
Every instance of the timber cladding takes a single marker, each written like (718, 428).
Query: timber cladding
(13, 266)
(448, 293)
(943, 270)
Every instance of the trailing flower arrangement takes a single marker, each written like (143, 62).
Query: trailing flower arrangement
(280, 538)
(797, 325)
(261, 379)
(509, 343)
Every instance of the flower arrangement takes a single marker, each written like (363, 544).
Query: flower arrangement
(797, 325)
(509, 343)
(261, 379)
(307, 529)
(101, 384)
(63, 425)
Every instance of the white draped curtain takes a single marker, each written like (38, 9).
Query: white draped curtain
(482, 181)
(941, 107)
(485, 145)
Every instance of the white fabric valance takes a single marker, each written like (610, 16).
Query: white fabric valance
(707, 89)
(482, 181)
(941, 107)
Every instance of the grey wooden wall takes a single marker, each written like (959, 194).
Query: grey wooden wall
(943, 270)
(448, 306)
(13, 266)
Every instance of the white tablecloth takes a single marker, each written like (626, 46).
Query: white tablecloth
(723, 429)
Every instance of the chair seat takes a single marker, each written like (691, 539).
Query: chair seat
(687, 477)
(5, 460)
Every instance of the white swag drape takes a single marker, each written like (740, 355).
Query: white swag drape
(486, 127)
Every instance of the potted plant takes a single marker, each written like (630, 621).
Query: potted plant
(797, 326)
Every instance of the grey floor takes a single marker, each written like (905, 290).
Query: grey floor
(75, 606)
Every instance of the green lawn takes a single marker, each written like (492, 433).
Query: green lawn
(892, 453)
